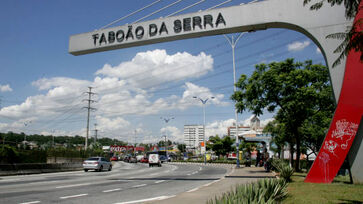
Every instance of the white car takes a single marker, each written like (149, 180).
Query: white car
(154, 160)
(97, 164)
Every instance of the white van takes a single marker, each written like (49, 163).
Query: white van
(154, 160)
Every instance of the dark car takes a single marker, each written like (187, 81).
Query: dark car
(127, 158)
(163, 158)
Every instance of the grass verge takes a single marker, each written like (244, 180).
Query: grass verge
(340, 191)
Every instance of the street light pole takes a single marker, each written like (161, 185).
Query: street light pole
(204, 101)
(166, 152)
(233, 44)
(166, 120)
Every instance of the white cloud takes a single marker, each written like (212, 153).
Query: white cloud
(152, 68)
(297, 46)
(112, 124)
(120, 93)
(318, 51)
(5, 88)
(218, 127)
(173, 134)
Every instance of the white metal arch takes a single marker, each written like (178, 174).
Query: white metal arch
(289, 14)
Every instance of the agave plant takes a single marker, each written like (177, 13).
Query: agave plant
(266, 191)
(286, 172)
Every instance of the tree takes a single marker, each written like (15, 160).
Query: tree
(295, 90)
(181, 147)
(221, 146)
(353, 37)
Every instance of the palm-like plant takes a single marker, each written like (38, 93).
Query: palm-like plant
(353, 37)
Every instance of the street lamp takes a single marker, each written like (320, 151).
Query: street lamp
(166, 152)
(166, 120)
(233, 43)
(204, 101)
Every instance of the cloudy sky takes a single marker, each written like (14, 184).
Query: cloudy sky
(43, 87)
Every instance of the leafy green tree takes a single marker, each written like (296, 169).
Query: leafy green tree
(294, 90)
(181, 147)
(353, 37)
(221, 146)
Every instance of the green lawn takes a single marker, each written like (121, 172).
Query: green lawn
(340, 191)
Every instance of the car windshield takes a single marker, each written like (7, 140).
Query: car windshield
(93, 159)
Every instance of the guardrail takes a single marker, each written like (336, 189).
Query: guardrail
(36, 168)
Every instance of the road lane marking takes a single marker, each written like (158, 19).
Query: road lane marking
(73, 196)
(75, 185)
(160, 181)
(146, 200)
(154, 174)
(208, 184)
(194, 189)
(31, 202)
(189, 174)
(137, 186)
(112, 190)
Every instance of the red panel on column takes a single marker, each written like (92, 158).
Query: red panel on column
(345, 122)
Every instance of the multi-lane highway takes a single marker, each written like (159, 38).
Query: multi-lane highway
(126, 183)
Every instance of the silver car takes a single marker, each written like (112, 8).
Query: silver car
(97, 164)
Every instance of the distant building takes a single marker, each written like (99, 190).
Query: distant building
(252, 133)
(193, 136)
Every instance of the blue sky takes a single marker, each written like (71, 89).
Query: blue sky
(42, 86)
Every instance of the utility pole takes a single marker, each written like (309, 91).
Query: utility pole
(89, 108)
(166, 152)
(135, 143)
(53, 138)
(96, 132)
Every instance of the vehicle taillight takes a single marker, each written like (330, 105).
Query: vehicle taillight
(96, 163)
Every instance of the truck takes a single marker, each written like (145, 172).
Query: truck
(154, 160)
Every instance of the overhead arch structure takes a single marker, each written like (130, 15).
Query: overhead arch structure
(290, 14)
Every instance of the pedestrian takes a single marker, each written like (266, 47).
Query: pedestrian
(258, 158)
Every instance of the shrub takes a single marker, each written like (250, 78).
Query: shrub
(286, 172)
(283, 168)
(8, 154)
(264, 191)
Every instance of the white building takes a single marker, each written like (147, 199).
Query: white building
(193, 136)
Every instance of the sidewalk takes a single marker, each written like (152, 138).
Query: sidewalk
(234, 177)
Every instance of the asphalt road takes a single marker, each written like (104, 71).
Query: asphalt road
(126, 183)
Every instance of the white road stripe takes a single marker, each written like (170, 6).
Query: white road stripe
(160, 181)
(139, 185)
(148, 199)
(208, 184)
(189, 174)
(31, 202)
(194, 189)
(154, 174)
(112, 190)
(73, 196)
(75, 185)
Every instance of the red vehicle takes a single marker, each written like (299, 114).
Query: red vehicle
(144, 160)
(114, 159)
